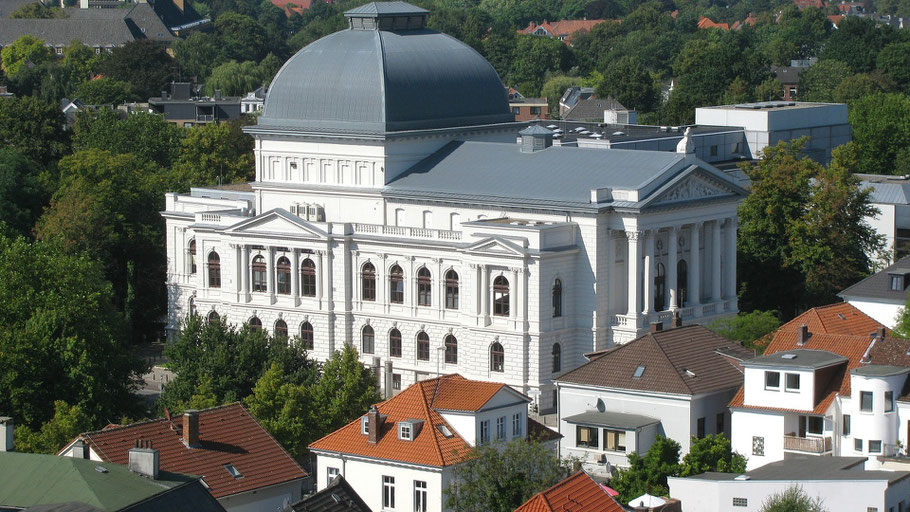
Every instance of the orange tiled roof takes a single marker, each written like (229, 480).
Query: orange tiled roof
(835, 18)
(704, 23)
(577, 493)
(839, 318)
(227, 435)
(802, 4)
(419, 401)
(294, 6)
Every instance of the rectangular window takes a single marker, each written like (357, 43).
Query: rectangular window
(740, 502)
(586, 437)
(875, 447)
(815, 424)
(713, 150)
(615, 440)
(865, 401)
(720, 423)
(772, 380)
(500, 428)
(485, 432)
(889, 401)
(846, 427)
(758, 446)
(396, 381)
(332, 474)
(364, 425)
(388, 492)
(700, 428)
(404, 431)
(858, 445)
(535, 111)
(792, 382)
(516, 424)
(516, 110)
(420, 496)
(897, 283)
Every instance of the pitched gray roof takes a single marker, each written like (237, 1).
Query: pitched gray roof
(94, 27)
(878, 285)
(386, 8)
(886, 189)
(592, 109)
(799, 358)
(338, 496)
(612, 419)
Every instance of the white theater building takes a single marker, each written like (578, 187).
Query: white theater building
(393, 210)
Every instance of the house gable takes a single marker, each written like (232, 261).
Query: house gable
(277, 222)
(693, 184)
(496, 246)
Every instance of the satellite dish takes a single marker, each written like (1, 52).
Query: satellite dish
(601, 406)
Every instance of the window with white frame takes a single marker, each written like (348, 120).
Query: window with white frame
(792, 382)
(516, 424)
(332, 474)
(500, 428)
(614, 440)
(865, 401)
(772, 380)
(484, 431)
(420, 496)
(388, 492)
(404, 431)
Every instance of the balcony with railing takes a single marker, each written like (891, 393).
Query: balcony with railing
(816, 445)
(406, 232)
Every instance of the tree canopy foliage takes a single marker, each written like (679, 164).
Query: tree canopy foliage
(747, 328)
(793, 499)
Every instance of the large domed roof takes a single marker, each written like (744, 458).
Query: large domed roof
(387, 72)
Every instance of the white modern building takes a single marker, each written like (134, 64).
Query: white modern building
(882, 295)
(674, 383)
(840, 483)
(402, 454)
(417, 229)
(768, 122)
(891, 196)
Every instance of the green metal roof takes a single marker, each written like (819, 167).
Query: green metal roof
(28, 479)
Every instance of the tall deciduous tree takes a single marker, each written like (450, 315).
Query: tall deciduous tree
(881, 131)
(285, 409)
(21, 196)
(648, 473)
(103, 91)
(711, 453)
(24, 52)
(501, 478)
(68, 422)
(344, 391)
(144, 64)
(214, 153)
(242, 37)
(819, 82)
(33, 128)
(148, 136)
(627, 80)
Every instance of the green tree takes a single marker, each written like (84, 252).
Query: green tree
(501, 478)
(68, 422)
(747, 328)
(769, 90)
(345, 390)
(214, 153)
(533, 57)
(33, 128)
(894, 61)
(711, 453)
(902, 327)
(62, 338)
(37, 10)
(284, 409)
(793, 499)
(862, 85)
(198, 54)
(555, 87)
(819, 82)
(143, 63)
(25, 49)
(81, 58)
(103, 91)
(147, 136)
(881, 130)
(21, 196)
(648, 473)
(235, 78)
(739, 91)
(242, 37)
(856, 42)
(627, 80)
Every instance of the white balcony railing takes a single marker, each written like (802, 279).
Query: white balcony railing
(422, 233)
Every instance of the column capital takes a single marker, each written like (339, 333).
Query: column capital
(674, 229)
(635, 235)
(697, 224)
(472, 265)
(732, 221)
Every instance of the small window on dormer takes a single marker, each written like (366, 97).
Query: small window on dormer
(405, 432)
(364, 425)
(897, 282)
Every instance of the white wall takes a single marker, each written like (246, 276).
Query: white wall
(877, 425)
(884, 313)
(269, 499)
(768, 425)
(756, 394)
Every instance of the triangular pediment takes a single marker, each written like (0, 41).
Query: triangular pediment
(496, 245)
(278, 222)
(694, 185)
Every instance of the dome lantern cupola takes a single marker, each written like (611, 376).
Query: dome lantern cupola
(387, 16)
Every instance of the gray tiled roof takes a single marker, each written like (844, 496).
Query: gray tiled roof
(592, 109)
(94, 27)
(886, 189)
(338, 496)
(878, 285)
(809, 467)
(799, 358)
(386, 8)
(556, 175)
(618, 420)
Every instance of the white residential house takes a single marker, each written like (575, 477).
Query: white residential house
(253, 101)
(891, 196)
(823, 394)
(675, 383)
(385, 218)
(401, 455)
(883, 294)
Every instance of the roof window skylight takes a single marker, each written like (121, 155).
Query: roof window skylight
(788, 356)
(445, 431)
(233, 471)
(639, 372)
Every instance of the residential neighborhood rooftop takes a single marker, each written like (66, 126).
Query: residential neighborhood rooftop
(808, 467)
(618, 420)
(839, 318)
(577, 493)
(799, 358)
(880, 285)
(338, 496)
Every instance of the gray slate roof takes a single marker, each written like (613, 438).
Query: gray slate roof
(377, 81)
(618, 420)
(808, 467)
(385, 8)
(556, 176)
(879, 370)
(886, 189)
(94, 27)
(338, 496)
(592, 109)
(878, 285)
(804, 358)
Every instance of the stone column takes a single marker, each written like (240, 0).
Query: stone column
(320, 265)
(633, 261)
(647, 281)
(485, 293)
(295, 276)
(715, 261)
(672, 261)
(513, 294)
(245, 269)
(730, 259)
(694, 281)
(270, 269)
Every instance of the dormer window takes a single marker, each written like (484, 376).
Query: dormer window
(364, 425)
(408, 430)
(792, 382)
(897, 282)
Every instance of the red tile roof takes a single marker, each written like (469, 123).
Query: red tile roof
(295, 6)
(839, 318)
(419, 401)
(577, 493)
(835, 18)
(802, 4)
(562, 27)
(704, 23)
(227, 435)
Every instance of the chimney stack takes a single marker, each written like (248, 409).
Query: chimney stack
(881, 332)
(656, 327)
(191, 428)
(388, 379)
(677, 320)
(374, 424)
(6, 434)
(802, 335)
(144, 459)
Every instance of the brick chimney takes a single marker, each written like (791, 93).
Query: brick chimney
(374, 425)
(656, 327)
(881, 332)
(191, 428)
(144, 459)
(6, 434)
(677, 320)
(802, 335)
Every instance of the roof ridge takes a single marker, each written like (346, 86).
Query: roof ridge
(672, 364)
(285, 452)
(617, 348)
(429, 416)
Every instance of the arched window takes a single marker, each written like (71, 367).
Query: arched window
(423, 346)
(396, 285)
(260, 277)
(368, 281)
(283, 268)
(451, 349)
(497, 358)
(214, 270)
(451, 289)
(394, 343)
(308, 278)
(306, 335)
(281, 329)
(501, 296)
(192, 254)
(255, 324)
(367, 339)
(682, 283)
(557, 299)
(557, 358)
(424, 287)
(213, 317)
(660, 288)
